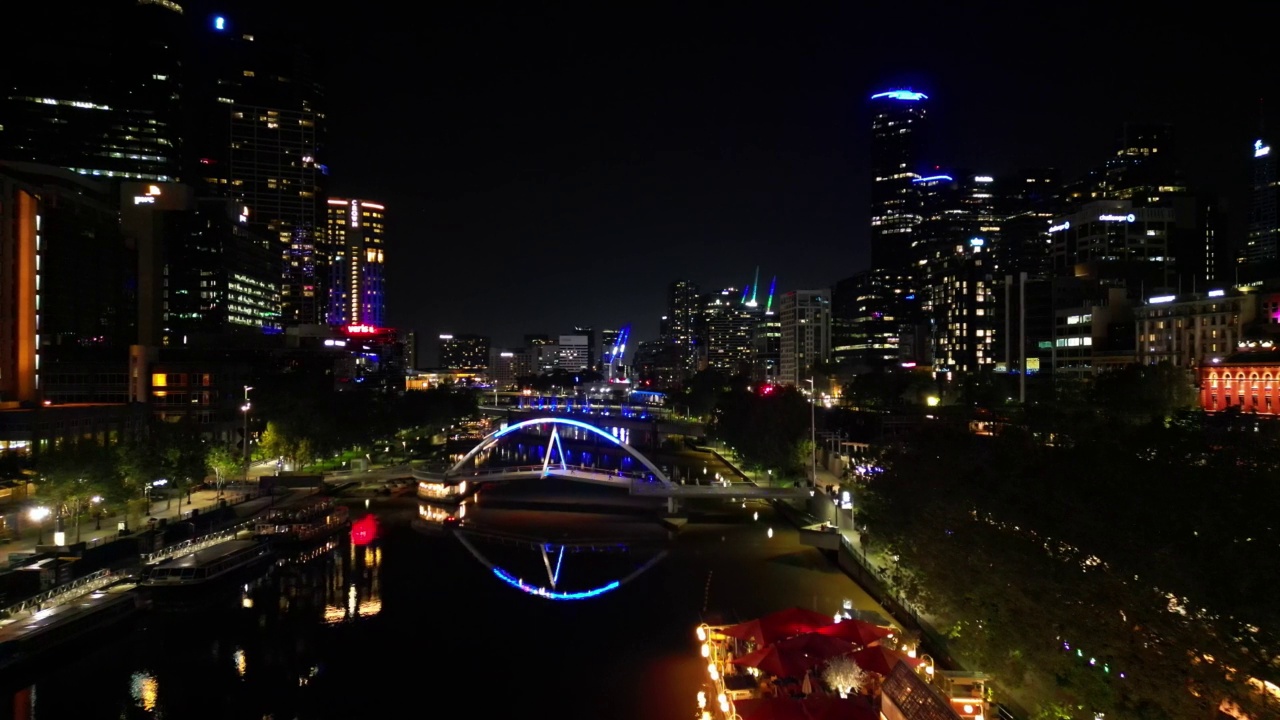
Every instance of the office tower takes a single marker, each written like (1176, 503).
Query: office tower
(590, 334)
(101, 94)
(218, 275)
(766, 341)
(573, 353)
(682, 315)
(507, 366)
(897, 118)
(1262, 241)
(542, 353)
(464, 352)
(613, 352)
(725, 331)
(69, 309)
(1143, 168)
(259, 137)
(805, 317)
(411, 350)
(870, 311)
(356, 289)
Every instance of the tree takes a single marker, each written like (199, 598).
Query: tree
(844, 674)
(224, 464)
(72, 475)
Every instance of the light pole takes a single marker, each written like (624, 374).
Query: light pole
(245, 408)
(813, 435)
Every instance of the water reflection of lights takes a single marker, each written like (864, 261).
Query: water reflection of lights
(552, 594)
(349, 605)
(238, 659)
(438, 515)
(145, 690)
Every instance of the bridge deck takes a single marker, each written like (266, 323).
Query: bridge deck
(635, 485)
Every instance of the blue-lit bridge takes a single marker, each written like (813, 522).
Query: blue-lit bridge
(465, 477)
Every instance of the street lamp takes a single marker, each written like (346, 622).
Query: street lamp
(245, 408)
(37, 515)
(96, 502)
(813, 435)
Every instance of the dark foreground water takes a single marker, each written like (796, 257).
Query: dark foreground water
(414, 622)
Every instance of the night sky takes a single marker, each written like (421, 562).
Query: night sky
(559, 165)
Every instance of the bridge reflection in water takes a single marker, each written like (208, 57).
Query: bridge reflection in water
(575, 549)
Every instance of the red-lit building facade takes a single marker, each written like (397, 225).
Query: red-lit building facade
(1248, 380)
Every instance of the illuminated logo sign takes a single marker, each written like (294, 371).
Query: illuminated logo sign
(1118, 218)
(219, 23)
(446, 337)
(1217, 293)
(977, 242)
(984, 179)
(153, 192)
(1160, 299)
(1059, 228)
(355, 213)
(362, 330)
(1259, 150)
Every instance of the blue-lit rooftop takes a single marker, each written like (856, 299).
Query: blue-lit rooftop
(900, 95)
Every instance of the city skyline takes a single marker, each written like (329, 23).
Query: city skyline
(686, 146)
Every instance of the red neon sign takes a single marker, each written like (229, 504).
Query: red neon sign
(363, 330)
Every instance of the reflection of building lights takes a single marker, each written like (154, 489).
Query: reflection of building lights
(145, 690)
(238, 658)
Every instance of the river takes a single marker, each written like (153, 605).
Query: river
(413, 620)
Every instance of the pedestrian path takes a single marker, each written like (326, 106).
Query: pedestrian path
(99, 530)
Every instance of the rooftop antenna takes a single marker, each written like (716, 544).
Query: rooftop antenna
(755, 288)
(768, 304)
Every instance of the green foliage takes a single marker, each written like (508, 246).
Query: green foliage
(1026, 546)
(767, 429)
(882, 390)
(224, 463)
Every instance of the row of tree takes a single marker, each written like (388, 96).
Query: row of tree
(1123, 568)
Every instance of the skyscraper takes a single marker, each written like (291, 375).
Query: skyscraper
(1262, 242)
(258, 136)
(102, 95)
(805, 318)
(897, 117)
(356, 289)
(682, 314)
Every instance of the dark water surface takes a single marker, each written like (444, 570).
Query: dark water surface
(415, 624)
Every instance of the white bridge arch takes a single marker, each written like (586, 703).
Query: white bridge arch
(494, 437)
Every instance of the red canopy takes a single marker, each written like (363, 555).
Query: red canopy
(779, 625)
(881, 660)
(793, 657)
(858, 632)
(770, 708)
(833, 707)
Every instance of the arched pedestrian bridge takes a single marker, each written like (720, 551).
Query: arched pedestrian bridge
(465, 477)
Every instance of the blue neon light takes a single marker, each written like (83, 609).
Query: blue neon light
(219, 23)
(542, 592)
(932, 178)
(900, 95)
(565, 421)
(555, 576)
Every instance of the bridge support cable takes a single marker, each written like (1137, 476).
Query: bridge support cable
(553, 443)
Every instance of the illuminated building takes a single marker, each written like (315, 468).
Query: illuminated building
(1086, 339)
(681, 321)
(354, 235)
(1262, 242)
(258, 137)
(101, 95)
(506, 367)
(1247, 380)
(897, 117)
(573, 353)
(725, 332)
(464, 352)
(805, 317)
(867, 331)
(67, 318)
(766, 336)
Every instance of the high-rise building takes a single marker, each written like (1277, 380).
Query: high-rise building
(464, 352)
(897, 117)
(507, 366)
(1262, 242)
(356, 289)
(71, 299)
(573, 353)
(590, 334)
(681, 323)
(411, 350)
(726, 332)
(101, 95)
(259, 136)
(805, 318)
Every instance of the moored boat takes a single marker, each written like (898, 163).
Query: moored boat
(318, 518)
(195, 578)
(27, 641)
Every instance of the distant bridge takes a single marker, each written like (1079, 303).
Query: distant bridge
(461, 480)
(606, 416)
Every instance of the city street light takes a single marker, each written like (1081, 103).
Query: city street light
(245, 409)
(37, 515)
(813, 435)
